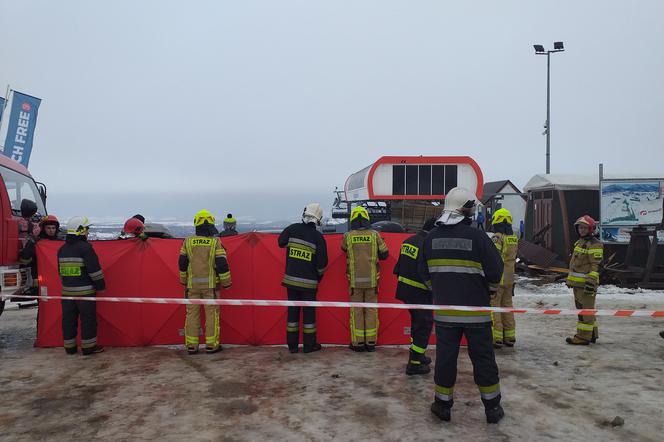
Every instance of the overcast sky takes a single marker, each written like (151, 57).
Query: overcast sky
(287, 98)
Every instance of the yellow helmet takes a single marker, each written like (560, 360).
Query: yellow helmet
(501, 215)
(359, 211)
(203, 216)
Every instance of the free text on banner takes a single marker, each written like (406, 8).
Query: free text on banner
(21, 122)
(149, 269)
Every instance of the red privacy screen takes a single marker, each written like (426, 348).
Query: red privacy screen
(149, 269)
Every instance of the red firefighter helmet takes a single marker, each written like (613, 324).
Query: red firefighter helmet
(588, 221)
(49, 220)
(133, 226)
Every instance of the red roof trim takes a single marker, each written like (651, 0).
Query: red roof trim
(13, 165)
(423, 160)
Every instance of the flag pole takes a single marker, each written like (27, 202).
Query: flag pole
(2, 114)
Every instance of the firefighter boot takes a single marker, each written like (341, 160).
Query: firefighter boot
(595, 336)
(210, 349)
(357, 348)
(442, 410)
(93, 350)
(417, 364)
(494, 414)
(312, 348)
(71, 350)
(192, 350)
(661, 334)
(576, 340)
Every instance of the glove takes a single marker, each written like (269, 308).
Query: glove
(143, 237)
(589, 289)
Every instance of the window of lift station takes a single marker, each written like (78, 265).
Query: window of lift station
(423, 179)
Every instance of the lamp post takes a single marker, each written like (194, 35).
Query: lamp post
(539, 50)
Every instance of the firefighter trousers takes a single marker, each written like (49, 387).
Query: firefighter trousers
(421, 323)
(308, 320)
(586, 326)
(192, 321)
(480, 350)
(504, 327)
(363, 321)
(87, 311)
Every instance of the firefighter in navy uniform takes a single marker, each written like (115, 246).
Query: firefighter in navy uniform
(583, 278)
(49, 227)
(463, 268)
(306, 261)
(504, 327)
(81, 275)
(203, 266)
(412, 290)
(363, 247)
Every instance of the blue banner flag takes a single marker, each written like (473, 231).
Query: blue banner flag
(2, 107)
(21, 123)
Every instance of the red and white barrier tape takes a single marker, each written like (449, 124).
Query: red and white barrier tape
(280, 303)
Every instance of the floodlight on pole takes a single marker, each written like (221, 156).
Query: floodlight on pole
(539, 50)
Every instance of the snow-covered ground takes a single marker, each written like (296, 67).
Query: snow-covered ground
(551, 391)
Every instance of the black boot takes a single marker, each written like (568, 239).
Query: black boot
(661, 333)
(313, 348)
(416, 364)
(412, 369)
(442, 410)
(358, 348)
(93, 350)
(71, 351)
(211, 350)
(495, 414)
(370, 348)
(293, 339)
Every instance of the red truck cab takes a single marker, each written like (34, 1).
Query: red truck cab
(16, 185)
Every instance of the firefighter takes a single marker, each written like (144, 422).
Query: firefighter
(504, 327)
(363, 247)
(203, 266)
(411, 289)
(81, 275)
(133, 228)
(229, 226)
(583, 278)
(463, 268)
(49, 226)
(306, 261)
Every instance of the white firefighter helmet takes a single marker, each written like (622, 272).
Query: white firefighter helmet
(78, 225)
(461, 199)
(313, 213)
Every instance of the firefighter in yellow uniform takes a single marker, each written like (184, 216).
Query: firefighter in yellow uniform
(203, 266)
(504, 328)
(583, 278)
(363, 247)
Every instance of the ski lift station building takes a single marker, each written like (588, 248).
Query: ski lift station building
(409, 189)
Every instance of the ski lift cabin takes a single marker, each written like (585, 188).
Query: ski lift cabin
(406, 189)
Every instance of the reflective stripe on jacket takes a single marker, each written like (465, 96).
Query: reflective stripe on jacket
(584, 264)
(79, 269)
(507, 246)
(410, 286)
(460, 263)
(203, 263)
(363, 248)
(306, 256)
